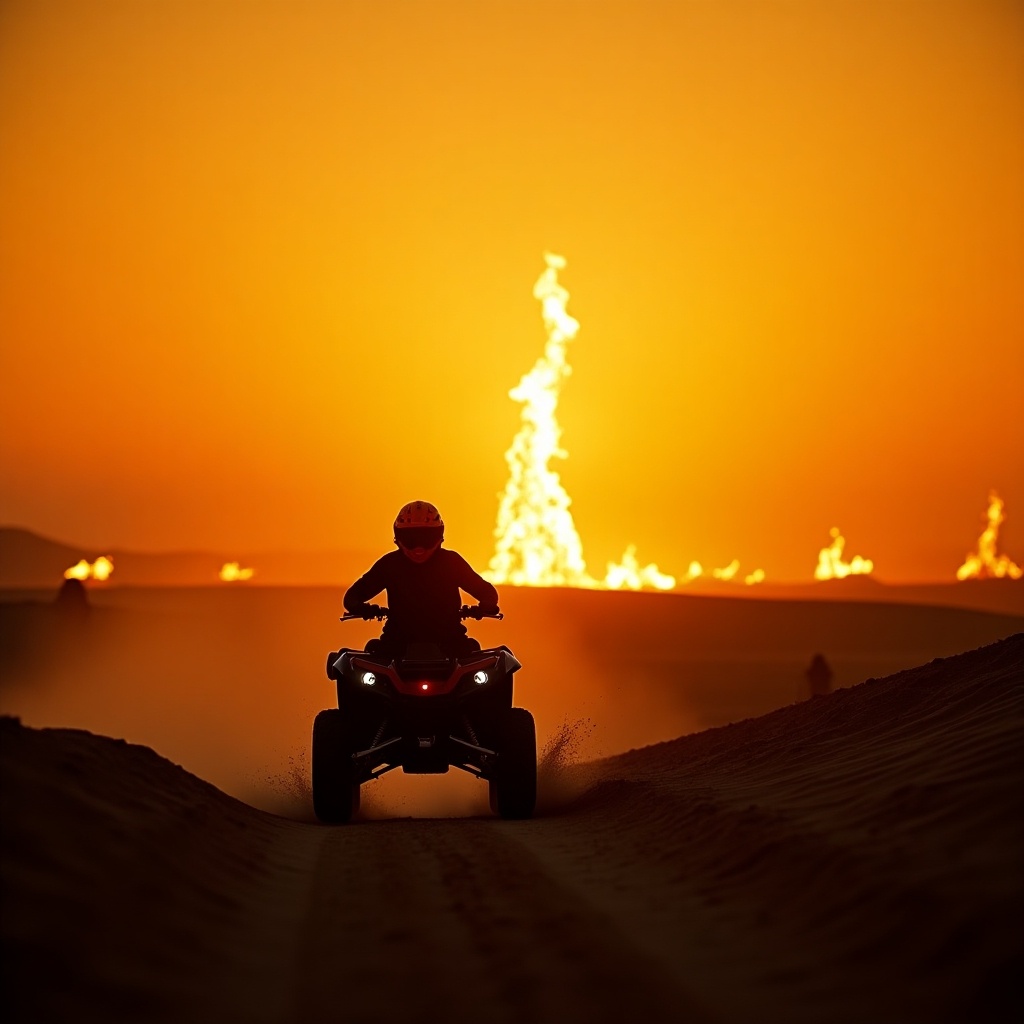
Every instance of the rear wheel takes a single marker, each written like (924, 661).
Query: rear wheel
(513, 790)
(335, 789)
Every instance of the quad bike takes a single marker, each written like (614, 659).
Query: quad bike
(423, 712)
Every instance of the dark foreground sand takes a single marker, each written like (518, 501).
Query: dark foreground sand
(857, 857)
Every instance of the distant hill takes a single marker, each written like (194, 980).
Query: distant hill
(29, 561)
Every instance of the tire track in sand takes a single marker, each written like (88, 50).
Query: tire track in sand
(457, 920)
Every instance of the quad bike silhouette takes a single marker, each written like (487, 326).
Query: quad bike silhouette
(424, 711)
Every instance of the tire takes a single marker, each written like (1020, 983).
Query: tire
(335, 789)
(514, 786)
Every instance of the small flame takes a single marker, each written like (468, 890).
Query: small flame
(985, 563)
(83, 570)
(231, 572)
(728, 572)
(830, 561)
(628, 574)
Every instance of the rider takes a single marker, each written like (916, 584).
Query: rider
(422, 581)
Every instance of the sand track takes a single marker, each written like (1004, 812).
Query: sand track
(453, 900)
(854, 857)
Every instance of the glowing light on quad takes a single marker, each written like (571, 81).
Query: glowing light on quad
(629, 575)
(830, 561)
(423, 686)
(83, 570)
(232, 572)
(480, 677)
(537, 543)
(369, 679)
(985, 563)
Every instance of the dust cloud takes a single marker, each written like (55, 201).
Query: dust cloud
(226, 681)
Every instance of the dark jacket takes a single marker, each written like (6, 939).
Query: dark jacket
(423, 600)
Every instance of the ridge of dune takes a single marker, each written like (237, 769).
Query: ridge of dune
(855, 856)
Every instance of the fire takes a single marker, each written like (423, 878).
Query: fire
(536, 539)
(830, 561)
(83, 570)
(231, 572)
(985, 563)
(537, 542)
(728, 572)
(628, 575)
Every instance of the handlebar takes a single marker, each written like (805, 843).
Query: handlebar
(375, 611)
(477, 612)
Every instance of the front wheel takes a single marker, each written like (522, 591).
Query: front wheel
(335, 788)
(513, 789)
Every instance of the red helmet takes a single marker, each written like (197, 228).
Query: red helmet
(418, 513)
(419, 530)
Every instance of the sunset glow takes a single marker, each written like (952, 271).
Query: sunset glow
(265, 271)
(986, 562)
(831, 565)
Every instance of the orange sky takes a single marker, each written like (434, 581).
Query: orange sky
(266, 271)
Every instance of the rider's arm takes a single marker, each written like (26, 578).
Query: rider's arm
(476, 586)
(369, 585)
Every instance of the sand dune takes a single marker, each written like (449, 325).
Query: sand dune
(854, 857)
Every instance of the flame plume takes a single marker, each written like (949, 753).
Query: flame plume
(985, 563)
(537, 542)
(830, 561)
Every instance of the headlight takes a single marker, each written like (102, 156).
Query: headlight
(369, 679)
(480, 677)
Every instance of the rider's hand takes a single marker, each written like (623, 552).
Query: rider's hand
(366, 611)
(487, 609)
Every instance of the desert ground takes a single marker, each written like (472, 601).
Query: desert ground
(711, 844)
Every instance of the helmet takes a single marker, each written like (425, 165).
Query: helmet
(419, 530)
(418, 513)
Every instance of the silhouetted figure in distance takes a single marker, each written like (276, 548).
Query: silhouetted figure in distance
(819, 676)
(422, 581)
(72, 601)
